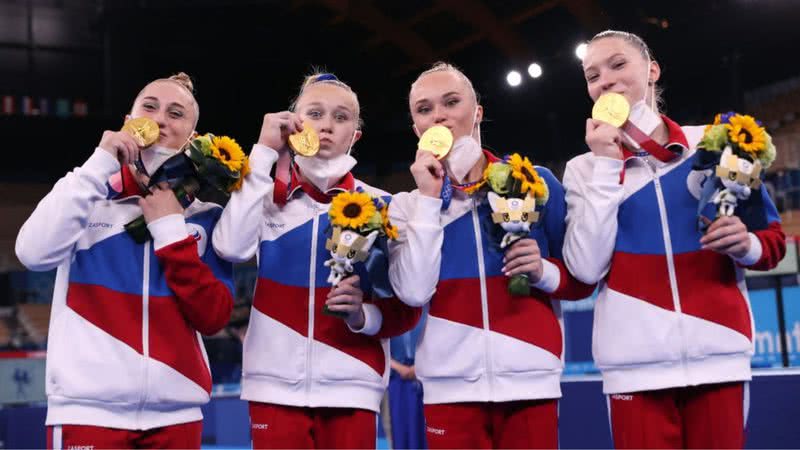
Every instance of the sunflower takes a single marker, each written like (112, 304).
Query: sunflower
(228, 152)
(351, 210)
(747, 134)
(388, 228)
(522, 170)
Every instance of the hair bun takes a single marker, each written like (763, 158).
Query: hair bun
(184, 80)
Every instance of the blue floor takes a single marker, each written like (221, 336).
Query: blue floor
(583, 419)
(382, 444)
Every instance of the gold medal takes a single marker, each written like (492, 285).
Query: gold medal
(144, 130)
(437, 140)
(611, 108)
(306, 142)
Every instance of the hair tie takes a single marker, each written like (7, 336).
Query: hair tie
(322, 77)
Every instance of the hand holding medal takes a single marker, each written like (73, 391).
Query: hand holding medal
(125, 144)
(144, 130)
(602, 131)
(282, 130)
(428, 171)
(636, 125)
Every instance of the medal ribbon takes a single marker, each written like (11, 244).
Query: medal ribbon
(448, 186)
(652, 147)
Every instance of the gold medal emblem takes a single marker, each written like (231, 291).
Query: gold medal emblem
(306, 142)
(611, 108)
(437, 140)
(144, 130)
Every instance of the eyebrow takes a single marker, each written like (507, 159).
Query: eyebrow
(443, 96)
(607, 59)
(344, 107)
(159, 101)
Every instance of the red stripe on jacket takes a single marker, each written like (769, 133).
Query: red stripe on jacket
(773, 247)
(289, 306)
(205, 302)
(172, 339)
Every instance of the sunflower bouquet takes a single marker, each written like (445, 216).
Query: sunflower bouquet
(357, 220)
(738, 149)
(515, 190)
(209, 169)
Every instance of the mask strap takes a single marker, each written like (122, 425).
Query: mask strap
(647, 87)
(352, 142)
(189, 139)
(475, 124)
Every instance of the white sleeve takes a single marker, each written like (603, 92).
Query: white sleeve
(237, 233)
(594, 194)
(373, 320)
(551, 277)
(415, 256)
(754, 254)
(49, 235)
(167, 230)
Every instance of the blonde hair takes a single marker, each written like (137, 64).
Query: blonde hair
(644, 50)
(327, 78)
(442, 66)
(183, 80)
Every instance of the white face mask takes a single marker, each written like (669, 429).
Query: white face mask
(325, 173)
(151, 158)
(466, 152)
(642, 115)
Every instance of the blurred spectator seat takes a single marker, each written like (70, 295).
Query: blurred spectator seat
(35, 319)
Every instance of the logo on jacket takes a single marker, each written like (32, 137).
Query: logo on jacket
(198, 233)
(99, 225)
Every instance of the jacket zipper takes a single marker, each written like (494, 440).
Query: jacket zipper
(312, 273)
(145, 321)
(673, 279)
(484, 296)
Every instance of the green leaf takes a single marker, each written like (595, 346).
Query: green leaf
(137, 228)
(715, 138)
(519, 286)
(498, 178)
